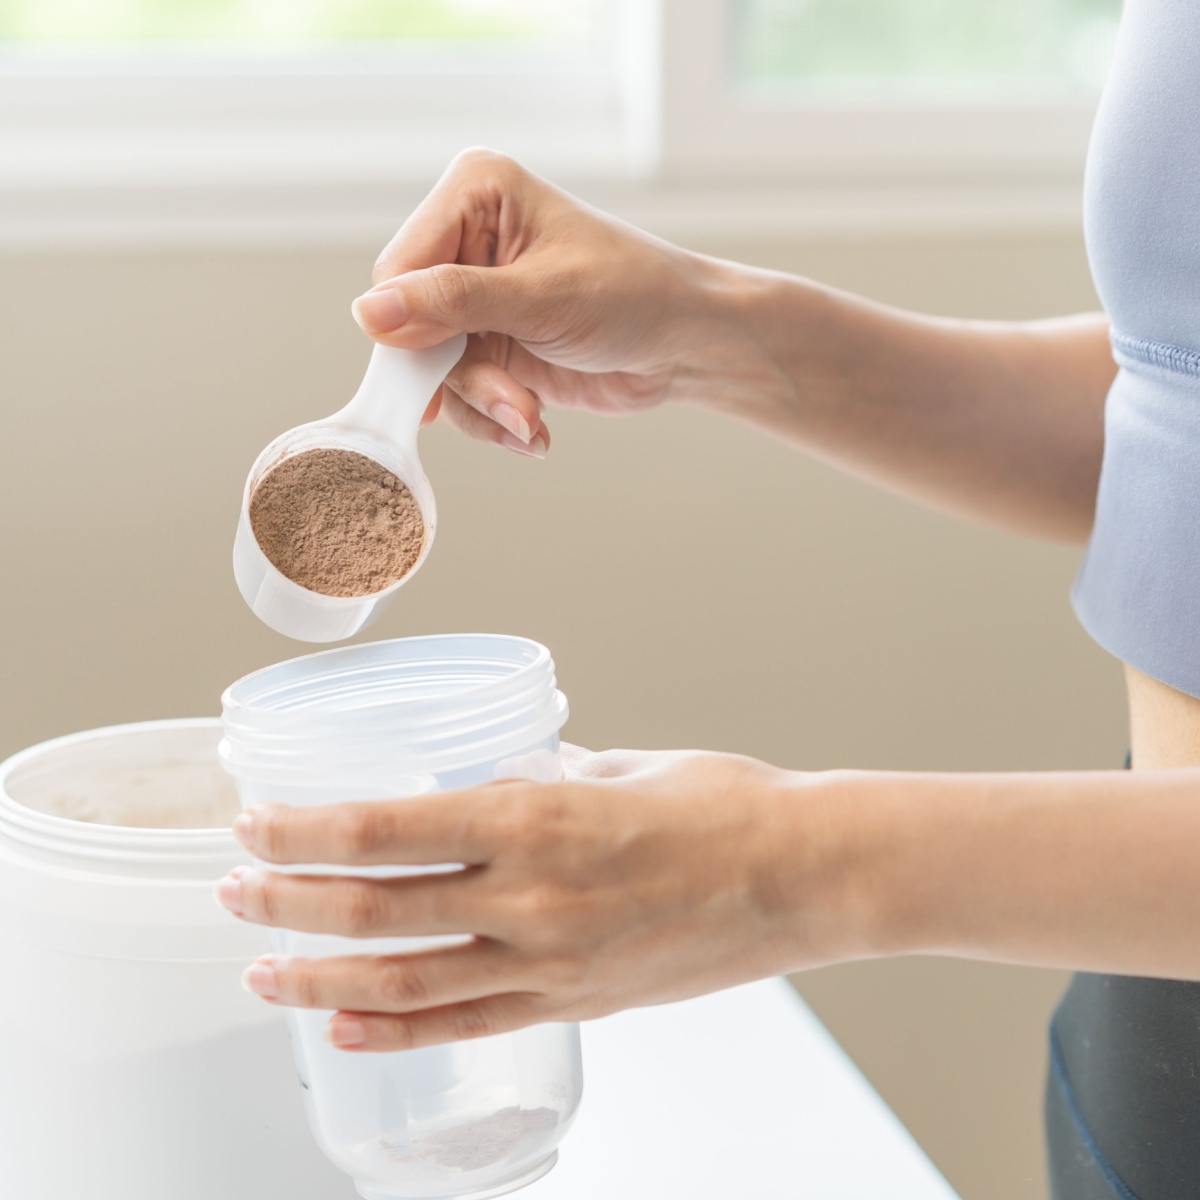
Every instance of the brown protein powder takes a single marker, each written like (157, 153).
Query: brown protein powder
(336, 522)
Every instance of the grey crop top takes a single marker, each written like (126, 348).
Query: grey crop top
(1138, 590)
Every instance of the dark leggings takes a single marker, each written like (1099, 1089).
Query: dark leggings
(1123, 1090)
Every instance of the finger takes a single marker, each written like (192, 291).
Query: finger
(577, 762)
(388, 983)
(442, 903)
(608, 764)
(474, 424)
(447, 827)
(467, 1021)
(491, 390)
(425, 307)
(459, 219)
(432, 412)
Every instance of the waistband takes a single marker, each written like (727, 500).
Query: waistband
(1150, 353)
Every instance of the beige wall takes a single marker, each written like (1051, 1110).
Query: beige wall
(698, 585)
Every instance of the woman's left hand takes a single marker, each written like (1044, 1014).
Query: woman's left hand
(642, 878)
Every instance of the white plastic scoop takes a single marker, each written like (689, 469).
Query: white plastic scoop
(381, 422)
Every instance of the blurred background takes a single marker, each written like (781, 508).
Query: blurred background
(191, 193)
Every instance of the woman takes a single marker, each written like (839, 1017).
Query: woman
(648, 877)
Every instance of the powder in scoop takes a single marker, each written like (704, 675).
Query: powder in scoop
(336, 522)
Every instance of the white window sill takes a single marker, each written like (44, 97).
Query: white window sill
(332, 216)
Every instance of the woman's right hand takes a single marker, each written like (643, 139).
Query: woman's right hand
(566, 305)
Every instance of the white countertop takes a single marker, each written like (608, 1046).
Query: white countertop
(738, 1096)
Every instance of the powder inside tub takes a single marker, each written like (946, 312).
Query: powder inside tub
(336, 522)
(98, 784)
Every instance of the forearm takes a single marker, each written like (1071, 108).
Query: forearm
(997, 422)
(1086, 870)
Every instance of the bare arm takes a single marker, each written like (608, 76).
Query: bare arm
(1000, 422)
(996, 422)
(1093, 871)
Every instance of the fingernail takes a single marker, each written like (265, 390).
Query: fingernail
(260, 980)
(512, 420)
(243, 830)
(229, 892)
(537, 447)
(380, 312)
(343, 1032)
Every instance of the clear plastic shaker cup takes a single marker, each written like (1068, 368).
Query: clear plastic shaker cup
(380, 721)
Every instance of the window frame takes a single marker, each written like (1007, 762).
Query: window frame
(287, 148)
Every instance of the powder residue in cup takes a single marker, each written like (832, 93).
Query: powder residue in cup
(336, 522)
(475, 1144)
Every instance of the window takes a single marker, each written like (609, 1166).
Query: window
(273, 117)
(129, 113)
(880, 91)
(945, 48)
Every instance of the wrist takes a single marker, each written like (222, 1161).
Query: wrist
(847, 876)
(888, 883)
(721, 337)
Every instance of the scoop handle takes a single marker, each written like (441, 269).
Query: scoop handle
(397, 389)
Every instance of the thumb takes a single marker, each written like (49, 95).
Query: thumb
(579, 763)
(425, 307)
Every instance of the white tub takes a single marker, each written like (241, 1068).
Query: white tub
(132, 1065)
